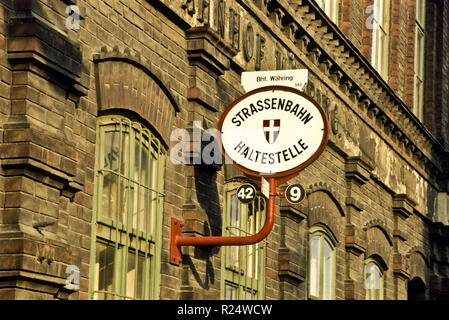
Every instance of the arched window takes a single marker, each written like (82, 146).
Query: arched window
(243, 267)
(416, 289)
(321, 266)
(374, 281)
(127, 218)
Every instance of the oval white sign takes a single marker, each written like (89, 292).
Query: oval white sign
(273, 131)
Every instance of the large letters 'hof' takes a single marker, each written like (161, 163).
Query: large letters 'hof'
(273, 131)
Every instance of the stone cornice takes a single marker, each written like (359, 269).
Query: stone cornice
(305, 25)
(34, 45)
(358, 169)
(403, 205)
(47, 283)
(206, 49)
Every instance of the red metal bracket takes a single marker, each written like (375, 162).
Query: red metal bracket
(176, 231)
(177, 240)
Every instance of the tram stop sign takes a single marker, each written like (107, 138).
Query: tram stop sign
(273, 131)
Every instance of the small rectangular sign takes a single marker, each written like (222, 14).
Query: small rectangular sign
(295, 78)
(265, 188)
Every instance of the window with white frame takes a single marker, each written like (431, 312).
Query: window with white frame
(243, 267)
(380, 37)
(374, 281)
(321, 266)
(127, 218)
(331, 8)
(420, 42)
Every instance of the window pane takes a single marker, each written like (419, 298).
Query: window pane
(370, 281)
(374, 45)
(419, 46)
(419, 92)
(247, 295)
(116, 153)
(141, 193)
(131, 275)
(233, 257)
(230, 292)
(134, 283)
(373, 282)
(253, 261)
(104, 271)
(381, 12)
(114, 200)
(330, 7)
(235, 215)
(252, 249)
(327, 270)
(110, 196)
(315, 266)
(152, 196)
(420, 54)
(380, 38)
(418, 107)
(421, 11)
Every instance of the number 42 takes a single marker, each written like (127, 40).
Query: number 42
(246, 193)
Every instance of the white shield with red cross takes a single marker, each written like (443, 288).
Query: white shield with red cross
(271, 129)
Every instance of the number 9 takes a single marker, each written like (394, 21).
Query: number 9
(295, 193)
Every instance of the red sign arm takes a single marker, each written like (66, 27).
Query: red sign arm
(177, 240)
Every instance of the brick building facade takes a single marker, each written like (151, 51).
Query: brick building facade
(375, 220)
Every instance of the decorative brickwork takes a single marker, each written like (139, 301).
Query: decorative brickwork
(379, 190)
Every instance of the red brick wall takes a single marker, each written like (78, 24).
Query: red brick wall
(410, 54)
(352, 20)
(398, 46)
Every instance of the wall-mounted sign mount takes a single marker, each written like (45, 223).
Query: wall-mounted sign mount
(270, 133)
